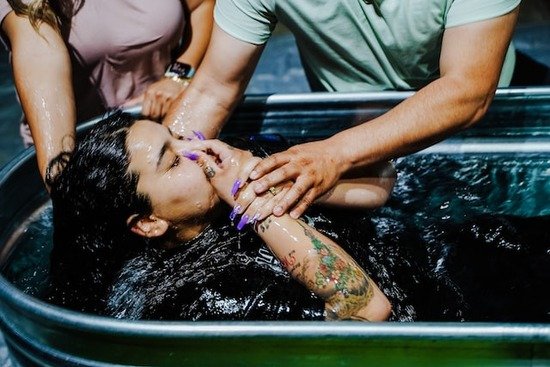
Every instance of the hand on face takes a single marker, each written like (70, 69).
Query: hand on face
(228, 170)
(312, 168)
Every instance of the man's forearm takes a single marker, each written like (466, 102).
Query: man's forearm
(437, 111)
(198, 110)
(470, 64)
(216, 88)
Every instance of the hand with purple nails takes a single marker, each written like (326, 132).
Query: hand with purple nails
(233, 166)
(199, 135)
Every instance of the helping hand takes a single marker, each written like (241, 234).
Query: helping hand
(311, 166)
(159, 96)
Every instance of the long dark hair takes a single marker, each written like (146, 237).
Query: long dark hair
(93, 196)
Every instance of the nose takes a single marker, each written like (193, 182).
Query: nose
(189, 148)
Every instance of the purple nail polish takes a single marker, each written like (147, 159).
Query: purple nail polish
(199, 135)
(254, 219)
(234, 212)
(242, 222)
(235, 187)
(191, 156)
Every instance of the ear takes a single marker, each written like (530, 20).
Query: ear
(150, 226)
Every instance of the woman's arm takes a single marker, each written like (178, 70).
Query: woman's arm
(159, 96)
(368, 188)
(325, 269)
(42, 74)
(201, 21)
(309, 256)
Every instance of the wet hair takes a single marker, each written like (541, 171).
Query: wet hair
(56, 13)
(92, 197)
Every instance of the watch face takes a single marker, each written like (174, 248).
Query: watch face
(181, 69)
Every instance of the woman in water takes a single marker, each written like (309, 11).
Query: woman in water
(149, 226)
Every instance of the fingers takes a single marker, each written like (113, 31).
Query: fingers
(216, 147)
(153, 104)
(159, 96)
(244, 174)
(300, 192)
(279, 175)
(269, 164)
(146, 107)
(303, 204)
(133, 101)
(207, 163)
(257, 210)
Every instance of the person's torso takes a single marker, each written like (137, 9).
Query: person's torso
(367, 45)
(120, 47)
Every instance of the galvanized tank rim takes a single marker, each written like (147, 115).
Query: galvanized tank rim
(53, 315)
(42, 311)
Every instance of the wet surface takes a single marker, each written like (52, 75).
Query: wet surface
(467, 241)
(279, 70)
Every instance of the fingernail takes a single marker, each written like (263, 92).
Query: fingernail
(254, 219)
(199, 135)
(235, 188)
(253, 175)
(278, 210)
(294, 215)
(242, 222)
(234, 212)
(191, 156)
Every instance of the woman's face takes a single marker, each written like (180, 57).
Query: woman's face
(177, 187)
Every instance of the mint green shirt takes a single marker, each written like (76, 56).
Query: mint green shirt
(362, 45)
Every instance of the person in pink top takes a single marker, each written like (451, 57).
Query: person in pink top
(74, 59)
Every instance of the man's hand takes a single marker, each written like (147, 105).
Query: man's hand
(313, 167)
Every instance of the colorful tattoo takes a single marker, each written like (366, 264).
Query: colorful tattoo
(344, 305)
(290, 260)
(352, 287)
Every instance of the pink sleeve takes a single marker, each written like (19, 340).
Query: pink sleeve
(5, 8)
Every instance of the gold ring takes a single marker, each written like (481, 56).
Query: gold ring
(209, 171)
(273, 190)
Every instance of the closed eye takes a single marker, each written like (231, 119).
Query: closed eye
(176, 161)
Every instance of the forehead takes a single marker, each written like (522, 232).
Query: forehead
(145, 139)
(146, 131)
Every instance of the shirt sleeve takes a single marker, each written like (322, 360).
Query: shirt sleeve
(5, 8)
(250, 21)
(468, 11)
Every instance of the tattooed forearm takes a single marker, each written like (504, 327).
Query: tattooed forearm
(344, 305)
(264, 226)
(346, 286)
(289, 262)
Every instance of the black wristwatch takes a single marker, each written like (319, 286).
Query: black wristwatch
(180, 72)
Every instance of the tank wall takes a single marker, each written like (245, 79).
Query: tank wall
(44, 335)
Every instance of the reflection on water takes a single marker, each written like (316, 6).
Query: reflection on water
(455, 242)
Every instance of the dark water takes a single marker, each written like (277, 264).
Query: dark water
(464, 237)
